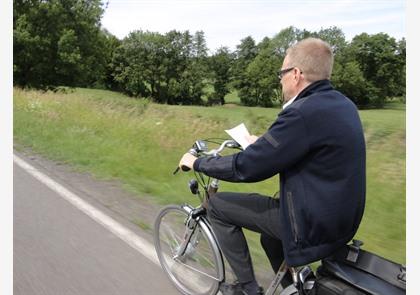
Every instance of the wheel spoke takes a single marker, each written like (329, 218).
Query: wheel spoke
(196, 270)
(173, 240)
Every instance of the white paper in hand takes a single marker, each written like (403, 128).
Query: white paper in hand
(238, 133)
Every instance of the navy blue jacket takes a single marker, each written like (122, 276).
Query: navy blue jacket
(318, 148)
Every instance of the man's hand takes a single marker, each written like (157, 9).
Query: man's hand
(187, 160)
(251, 138)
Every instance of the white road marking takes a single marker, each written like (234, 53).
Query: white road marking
(141, 245)
(128, 236)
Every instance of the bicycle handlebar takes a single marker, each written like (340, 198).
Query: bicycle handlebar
(200, 148)
(227, 143)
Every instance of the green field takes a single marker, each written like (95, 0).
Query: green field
(140, 143)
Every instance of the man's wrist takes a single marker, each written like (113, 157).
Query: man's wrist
(196, 165)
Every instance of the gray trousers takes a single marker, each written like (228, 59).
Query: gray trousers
(229, 213)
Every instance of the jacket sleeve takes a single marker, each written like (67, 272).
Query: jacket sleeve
(284, 144)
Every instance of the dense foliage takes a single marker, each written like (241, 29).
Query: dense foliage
(62, 43)
(58, 42)
(168, 68)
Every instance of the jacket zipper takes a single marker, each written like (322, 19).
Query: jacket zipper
(292, 217)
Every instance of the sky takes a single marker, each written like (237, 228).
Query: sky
(226, 22)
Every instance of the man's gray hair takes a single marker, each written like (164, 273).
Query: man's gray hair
(314, 57)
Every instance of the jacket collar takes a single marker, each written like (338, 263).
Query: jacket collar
(317, 86)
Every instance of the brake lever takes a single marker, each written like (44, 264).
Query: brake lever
(184, 168)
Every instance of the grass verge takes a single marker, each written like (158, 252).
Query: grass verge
(140, 143)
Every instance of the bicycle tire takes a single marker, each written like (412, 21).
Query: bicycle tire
(200, 270)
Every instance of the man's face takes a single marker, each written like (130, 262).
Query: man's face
(286, 81)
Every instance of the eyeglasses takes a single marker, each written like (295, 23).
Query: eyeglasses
(281, 73)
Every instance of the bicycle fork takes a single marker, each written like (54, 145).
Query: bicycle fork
(190, 227)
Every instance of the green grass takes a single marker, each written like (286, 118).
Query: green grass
(140, 143)
(383, 225)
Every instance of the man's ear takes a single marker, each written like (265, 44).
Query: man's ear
(296, 75)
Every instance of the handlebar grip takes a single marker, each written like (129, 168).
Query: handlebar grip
(185, 168)
(193, 152)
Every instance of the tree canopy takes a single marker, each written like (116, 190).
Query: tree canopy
(62, 43)
(57, 42)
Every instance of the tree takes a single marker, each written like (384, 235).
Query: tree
(138, 64)
(199, 47)
(168, 68)
(56, 42)
(198, 67)
(333, 36)
(220, 64)
(245, 53)
(381, 62)
(286, 38)
(348, 79)
(109, 44)
(260, 84)
(188, 67)
(400, 80)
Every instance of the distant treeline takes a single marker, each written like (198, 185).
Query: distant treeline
(61, 43)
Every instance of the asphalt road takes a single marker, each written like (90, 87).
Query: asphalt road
(58, 249)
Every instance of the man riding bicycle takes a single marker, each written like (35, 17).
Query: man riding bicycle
(317, 146)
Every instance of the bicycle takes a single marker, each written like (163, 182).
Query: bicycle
(188, 249)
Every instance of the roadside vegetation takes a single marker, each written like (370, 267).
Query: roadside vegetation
(140, 143)
(177, 91)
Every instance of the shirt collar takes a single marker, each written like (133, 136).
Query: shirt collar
(289, 102)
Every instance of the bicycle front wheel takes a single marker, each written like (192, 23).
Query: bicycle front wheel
(200, 270)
